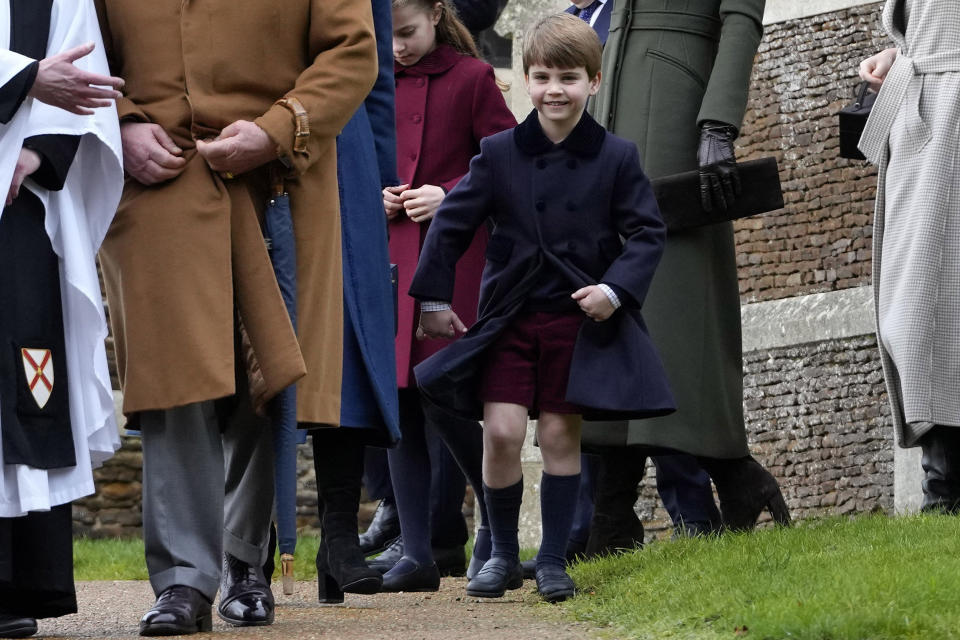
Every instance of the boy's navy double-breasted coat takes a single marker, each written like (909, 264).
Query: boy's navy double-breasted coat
(559, 211)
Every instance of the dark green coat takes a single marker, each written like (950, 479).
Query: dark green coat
(669, 65)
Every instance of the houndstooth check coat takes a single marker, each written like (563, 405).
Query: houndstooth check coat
(914, 136)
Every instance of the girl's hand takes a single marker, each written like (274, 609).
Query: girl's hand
(440, 324)
(392, 204)
(27, 164)
(594, 302)
(874, 69)
(422, 204)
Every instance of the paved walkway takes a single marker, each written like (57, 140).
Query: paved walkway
(112, 610)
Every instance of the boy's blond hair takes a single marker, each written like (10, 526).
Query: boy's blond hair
(562, 41)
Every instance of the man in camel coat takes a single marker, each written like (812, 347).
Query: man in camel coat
(224, 98)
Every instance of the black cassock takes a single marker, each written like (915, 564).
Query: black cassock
(36, 557)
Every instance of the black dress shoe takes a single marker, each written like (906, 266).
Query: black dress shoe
(383, 529)
(179, 610)
(529, 568)
(451, 561)
(390, 557)
(553, 583)
(475, 565)
(498, 575)
(245, 598)
(410, 575)
(14, 627)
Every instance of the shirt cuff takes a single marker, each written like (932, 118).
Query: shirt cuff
(611, 295)
(429, 306)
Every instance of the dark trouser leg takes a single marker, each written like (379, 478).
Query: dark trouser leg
(183, 497)
(941, 466)
(615, 524)
(687, 494)
(38, 549)
(376, 473)
(410, 473)
(580, 532)
(447, 490)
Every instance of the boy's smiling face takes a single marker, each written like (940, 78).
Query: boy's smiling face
(560, 96)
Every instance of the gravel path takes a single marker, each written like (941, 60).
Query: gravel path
(113, 609)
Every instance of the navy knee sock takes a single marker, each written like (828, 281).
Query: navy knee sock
(558, 502)
(503, 514)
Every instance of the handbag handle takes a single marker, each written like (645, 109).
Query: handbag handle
(861, 94)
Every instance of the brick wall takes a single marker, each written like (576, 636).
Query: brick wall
(805, 72)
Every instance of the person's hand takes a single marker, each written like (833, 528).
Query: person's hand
(422, 204)
(241, 147)
(874, 69)
(392, 204)
(27, 164)
(440, 324)
(719, 178)
(149, 154)
(594, 302)
(60, 84)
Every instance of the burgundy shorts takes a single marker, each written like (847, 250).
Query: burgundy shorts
(529, 363)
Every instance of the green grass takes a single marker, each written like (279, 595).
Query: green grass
(116, 559)
(838, 579)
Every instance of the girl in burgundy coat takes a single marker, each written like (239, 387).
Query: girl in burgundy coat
(447, 101)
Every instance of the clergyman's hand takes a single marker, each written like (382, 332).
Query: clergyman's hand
(719, 178)
(149, 154)
(61, 84)
(27, 164)
(241, 147)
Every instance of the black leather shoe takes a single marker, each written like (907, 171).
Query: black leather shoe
(14, 627)
(410, 575)
(390, 557)
(383, 529)
(451, 561)
(497, 575)
(529, 568)
(553, 583)
(245, 598)
(179, 610)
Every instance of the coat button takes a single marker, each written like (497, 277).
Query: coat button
(541, 163)
(413, 156)
(540, 205)
(421, 82)
(416, 118)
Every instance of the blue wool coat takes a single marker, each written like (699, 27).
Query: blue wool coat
(366, 161)
(559, 211)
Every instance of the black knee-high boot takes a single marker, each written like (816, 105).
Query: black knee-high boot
(338, 463)
(745, 489)
(615, 525)
(941, 466)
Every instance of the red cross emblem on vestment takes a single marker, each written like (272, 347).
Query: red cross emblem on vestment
(38, 365)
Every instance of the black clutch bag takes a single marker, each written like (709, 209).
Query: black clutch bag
(853, 118)
(679, 196)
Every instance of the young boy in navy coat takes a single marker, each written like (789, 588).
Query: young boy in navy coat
(559, 333)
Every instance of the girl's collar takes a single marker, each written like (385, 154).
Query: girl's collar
(437, 61)
(585, 139)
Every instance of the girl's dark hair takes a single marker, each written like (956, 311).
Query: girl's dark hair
(449, 30)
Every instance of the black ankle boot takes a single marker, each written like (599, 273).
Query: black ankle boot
(941, 466)
(341, 567)
(615, 525)
(745, 489)
(383, 529)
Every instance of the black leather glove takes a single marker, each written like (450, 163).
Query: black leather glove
(719, 179)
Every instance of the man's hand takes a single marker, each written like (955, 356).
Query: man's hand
(27, 164)
(149, 153)
(60, 84)
(594, 302)
(719, 178)
(241, 147)
(392, 204)
(875, 68)
(422, 204)
(440, 324)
